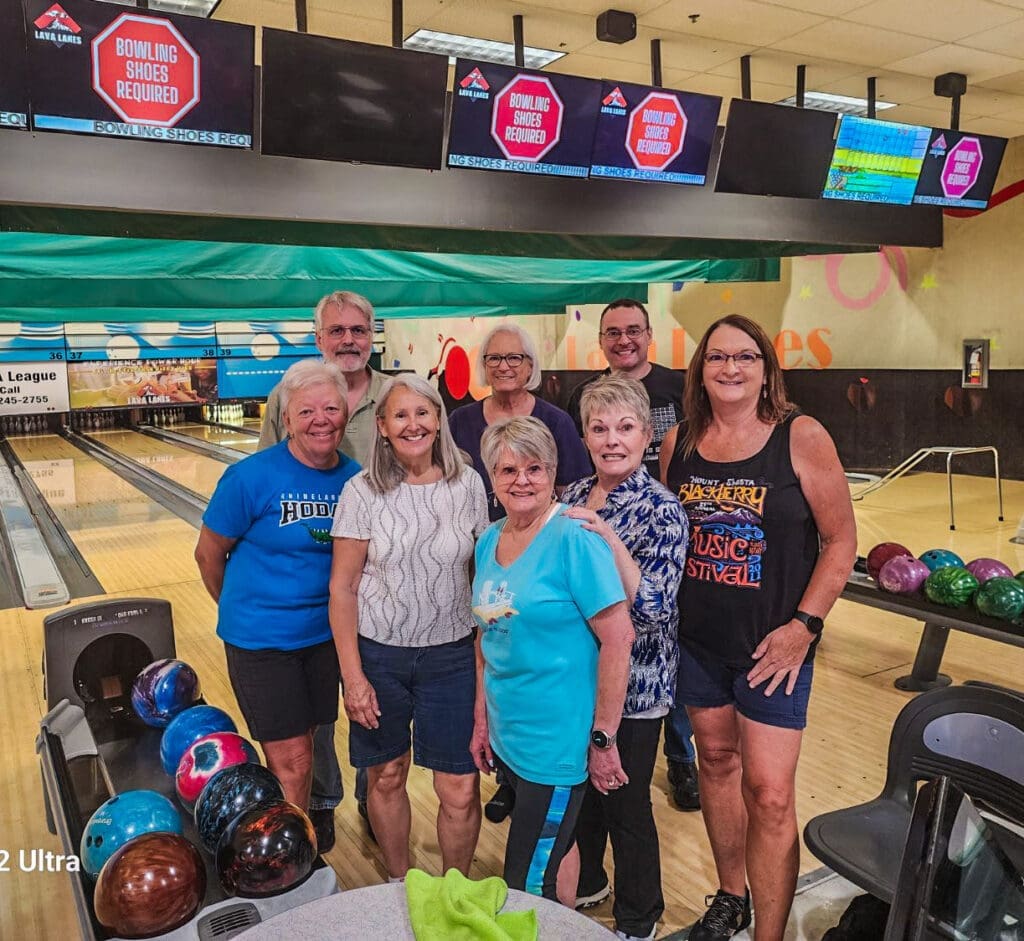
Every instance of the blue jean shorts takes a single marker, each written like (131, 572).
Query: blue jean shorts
(707, 683)
(431, 689)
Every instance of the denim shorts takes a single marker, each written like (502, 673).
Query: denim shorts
(707, 683)
(433, 689)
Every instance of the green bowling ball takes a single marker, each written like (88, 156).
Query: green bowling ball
(952, 586)
(1000, 598)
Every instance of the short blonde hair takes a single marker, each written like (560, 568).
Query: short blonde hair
(527, 438)
(612, 391)
(312, 372)
(525, 341)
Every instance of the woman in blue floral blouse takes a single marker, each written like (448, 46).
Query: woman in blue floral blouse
(646, 528)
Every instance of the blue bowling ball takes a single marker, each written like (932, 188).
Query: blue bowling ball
(122, 818)
(941, 559)
(229, 793)
(162, 690)
(188, 727)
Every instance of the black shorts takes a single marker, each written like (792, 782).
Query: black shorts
(285, 693)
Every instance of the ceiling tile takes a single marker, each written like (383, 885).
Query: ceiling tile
(889, 86)
(1011, 81)
(677, 51)
(1008, 39)
(1002, 126)
(976, 64)
(823, 7)
(707, 84)
(743, 21)
(916, 114)
(323, 22)
(548, 29)
(853, 42)
(948, 20)
(986, 101)
(773, 65)
(590, 7)
(600, 67)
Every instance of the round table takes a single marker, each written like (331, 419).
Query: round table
(379, 913)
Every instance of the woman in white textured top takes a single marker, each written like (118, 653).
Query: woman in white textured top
(400, 609)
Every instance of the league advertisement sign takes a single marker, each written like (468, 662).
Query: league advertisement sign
(33, 388)
(97, 69)
(138, 383)
(654, 134)
(504, 118)
(960, 169)
(13, 72)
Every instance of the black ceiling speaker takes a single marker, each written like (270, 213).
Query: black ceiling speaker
(616, 26)
(950, 84)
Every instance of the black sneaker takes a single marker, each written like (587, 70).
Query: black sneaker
(683, 778)
(323, 823)
(365, 814)
(726, 915)
(594, 899)
(501, 804)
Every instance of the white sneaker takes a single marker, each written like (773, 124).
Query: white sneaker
(633, 937)
(589, 901)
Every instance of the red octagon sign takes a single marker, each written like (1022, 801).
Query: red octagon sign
(145, 70)
(527, 118)
(656, 131)
(960, 171)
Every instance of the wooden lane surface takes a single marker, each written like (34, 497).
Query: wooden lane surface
(239, 440)
(852, 710)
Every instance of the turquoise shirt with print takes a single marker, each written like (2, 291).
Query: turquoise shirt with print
(275, 590)
(540, 656)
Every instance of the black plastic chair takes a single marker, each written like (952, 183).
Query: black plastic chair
(973, 734)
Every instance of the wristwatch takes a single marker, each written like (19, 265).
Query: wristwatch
(811, 621)
(601, 739)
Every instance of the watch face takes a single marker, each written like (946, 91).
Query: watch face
(599, 738)
(815, 625)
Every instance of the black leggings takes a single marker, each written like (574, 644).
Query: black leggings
(541, 831)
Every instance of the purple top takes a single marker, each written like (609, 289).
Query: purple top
(467, 423)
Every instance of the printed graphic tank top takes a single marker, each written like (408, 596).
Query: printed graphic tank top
(753, 545)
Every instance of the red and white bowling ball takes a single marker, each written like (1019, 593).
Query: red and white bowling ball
(205, 757)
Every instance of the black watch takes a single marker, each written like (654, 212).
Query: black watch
(811, 621)
(601, 739)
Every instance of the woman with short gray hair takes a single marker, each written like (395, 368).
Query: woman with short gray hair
(510, 365)
(400, 613)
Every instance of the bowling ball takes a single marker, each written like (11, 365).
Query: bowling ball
(941, 558)
(162, 690)
(122, 818)
(882, 553)
(903, 575)
(227, 794)
(265, 850)
(151, 885)
(1000, 597)
(205, 757)
(983, 569)
(952, 586)
(188, 726)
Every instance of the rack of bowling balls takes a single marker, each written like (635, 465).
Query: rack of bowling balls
(150, 879)
(987, 585)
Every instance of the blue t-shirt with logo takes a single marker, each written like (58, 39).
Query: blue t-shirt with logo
(540, 656)
(276, 582)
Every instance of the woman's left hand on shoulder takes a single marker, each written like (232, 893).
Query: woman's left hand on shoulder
(593, 522)
(779, 657)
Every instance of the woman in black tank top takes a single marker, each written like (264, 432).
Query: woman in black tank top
(772, 540)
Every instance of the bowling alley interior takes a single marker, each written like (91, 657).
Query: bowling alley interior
(182, 181)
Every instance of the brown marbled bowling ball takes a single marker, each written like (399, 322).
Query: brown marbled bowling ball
(151, 885)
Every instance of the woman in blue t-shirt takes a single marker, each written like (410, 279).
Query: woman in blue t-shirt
(553, 659)
(264, 553)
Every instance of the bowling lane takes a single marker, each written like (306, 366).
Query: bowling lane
(130, 541)
(194, 471)
(225, 437)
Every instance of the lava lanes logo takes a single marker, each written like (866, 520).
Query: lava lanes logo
(939, 147)
(56, 26)
(614, 103)
(475, 85)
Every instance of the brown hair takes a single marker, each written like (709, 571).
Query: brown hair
(773, 406)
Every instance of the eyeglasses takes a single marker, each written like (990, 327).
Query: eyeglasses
(744, 360)
(614, 333)
(358, 332)
(515, 360)
(509, 474)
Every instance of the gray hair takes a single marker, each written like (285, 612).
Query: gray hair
(616, 392)
(525, 341)
(343, 299)
(526, 438)
(312, 372)
(384, 471)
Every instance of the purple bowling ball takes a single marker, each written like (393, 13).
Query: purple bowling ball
(902, 575)
(983, 569)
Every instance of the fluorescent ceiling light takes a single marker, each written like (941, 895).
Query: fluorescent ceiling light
(189, 7)
(485, 50)
(823, 101)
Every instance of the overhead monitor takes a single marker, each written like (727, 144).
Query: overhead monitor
(332, 99)
(656, 134)
(876, 161)
(13, 78)
(960, 169)
(774, 150)
(520, 120)
(98, 68)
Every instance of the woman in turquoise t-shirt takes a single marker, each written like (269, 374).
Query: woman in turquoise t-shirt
(553, 658)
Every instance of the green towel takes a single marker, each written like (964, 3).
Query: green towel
(454, 908)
